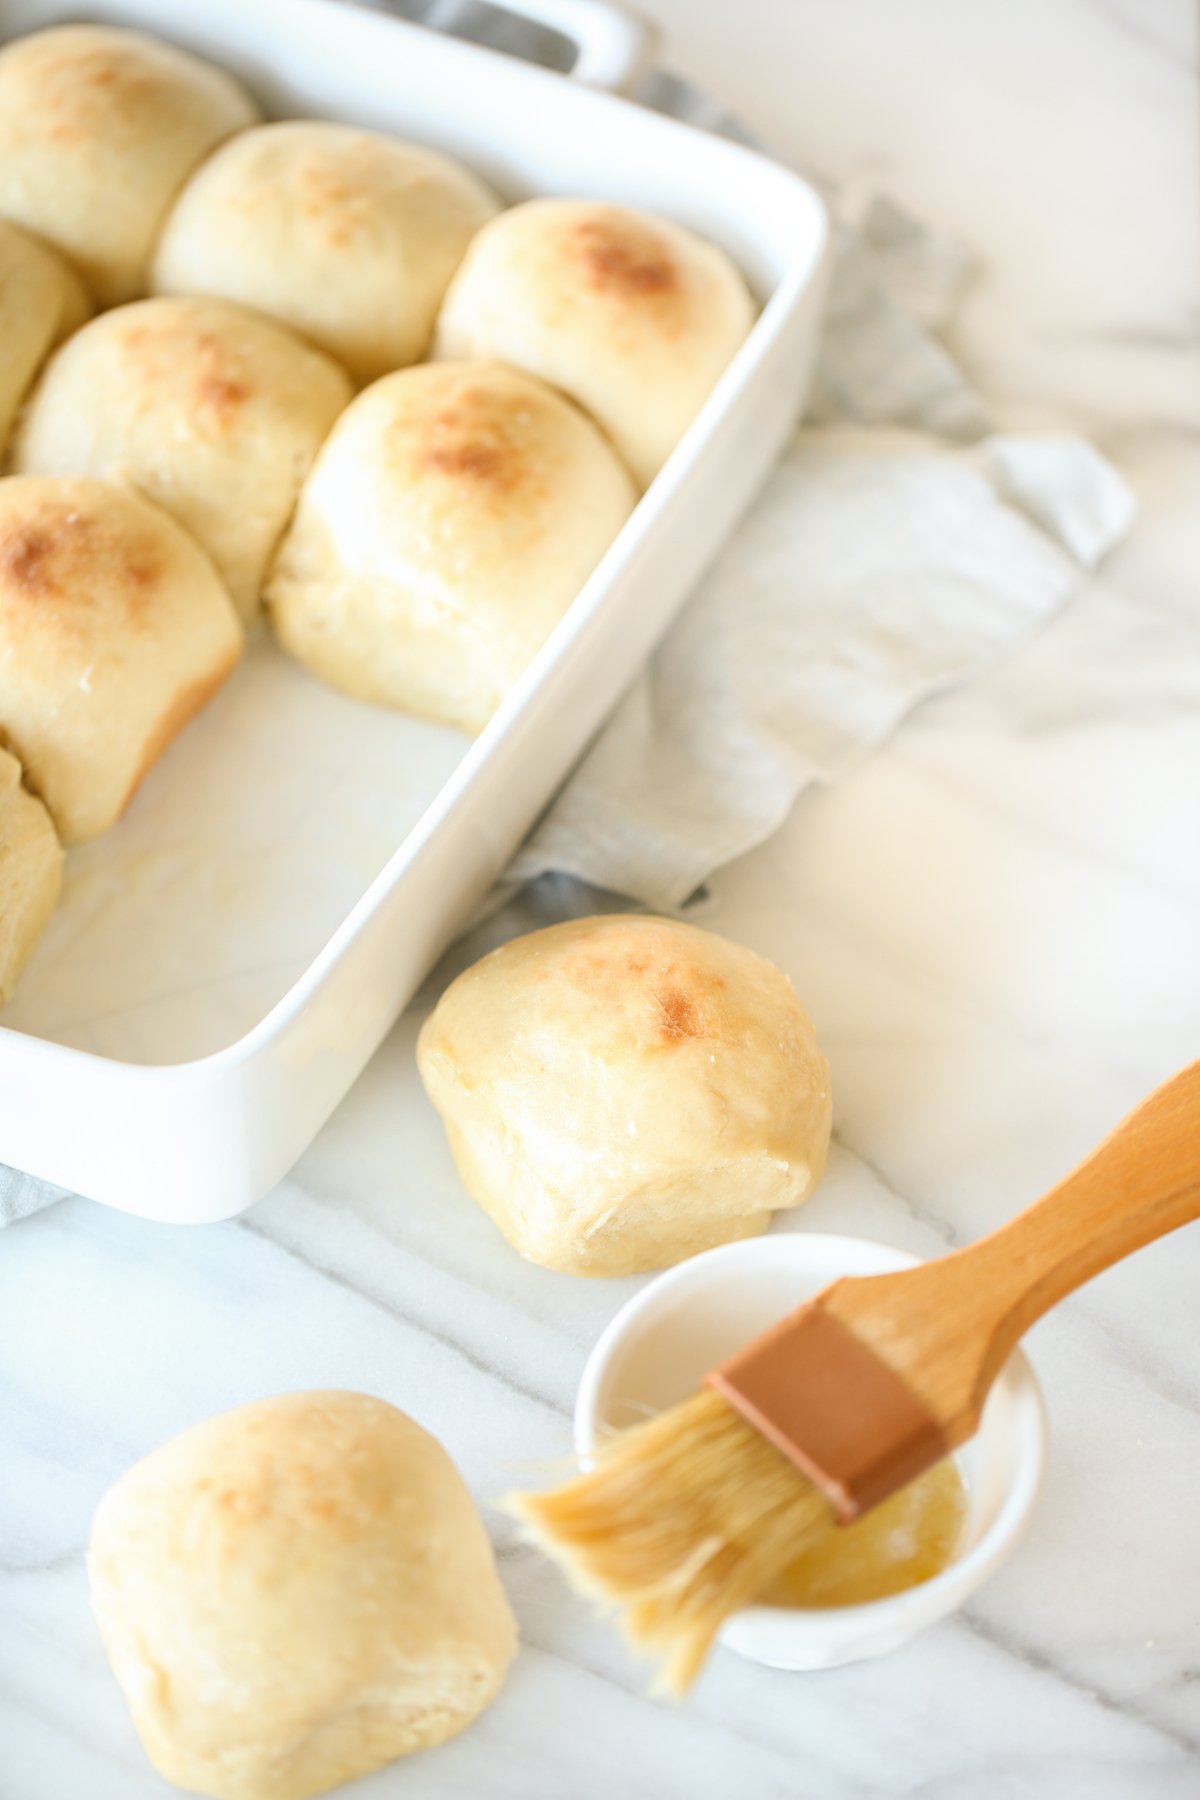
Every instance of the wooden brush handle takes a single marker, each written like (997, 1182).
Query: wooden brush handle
(948, 1326)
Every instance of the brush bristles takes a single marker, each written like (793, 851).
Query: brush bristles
(683, 1521)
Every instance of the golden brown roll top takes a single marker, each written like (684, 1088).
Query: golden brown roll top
(30, 873)
(633, 316)
(41, 300)
(622, 1092)
(348, 236)
(210, 410)
(114, 630)
(450, 519)
(294, 1593)
(99, 128)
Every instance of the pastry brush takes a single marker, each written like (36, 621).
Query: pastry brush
(687, 1518)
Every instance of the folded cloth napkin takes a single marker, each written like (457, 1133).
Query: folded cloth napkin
(877, 568)
(898, 548)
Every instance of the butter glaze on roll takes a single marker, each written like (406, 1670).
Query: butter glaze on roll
(211, 411)
(292, 1594)
(114, 630)
(451, 518)
(41, 301)
(348, 236)
(30, 873)
(622, 1092)
(99, 128)
(633, 316)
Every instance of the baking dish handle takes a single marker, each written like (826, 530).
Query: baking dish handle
(613, 45)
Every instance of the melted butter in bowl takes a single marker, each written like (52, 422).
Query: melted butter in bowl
(865, 1589)
(895, 1546)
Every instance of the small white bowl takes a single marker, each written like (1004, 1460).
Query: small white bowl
(660, 1345)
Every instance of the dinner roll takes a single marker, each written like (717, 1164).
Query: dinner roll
(114, 630)
(98, 130)
(622, 1092)
(450, 520)
(633, 316)
(348, 236)
(293, 1594)
(30, 873)
(41, 300)
(211, 411)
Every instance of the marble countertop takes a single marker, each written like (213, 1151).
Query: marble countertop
(994, 924)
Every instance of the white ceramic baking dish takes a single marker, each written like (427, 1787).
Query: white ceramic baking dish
(225, 961)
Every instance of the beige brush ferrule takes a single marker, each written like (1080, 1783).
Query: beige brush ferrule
(833, 1408)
